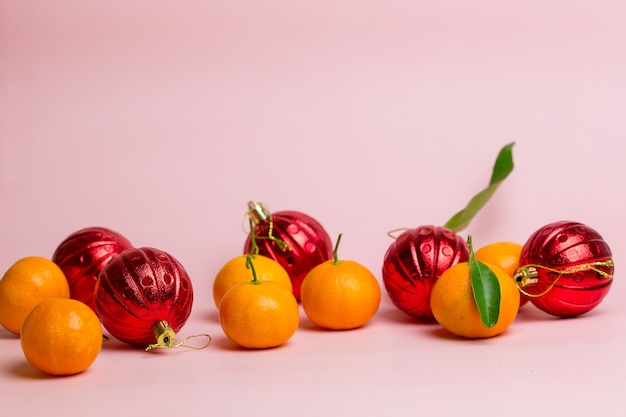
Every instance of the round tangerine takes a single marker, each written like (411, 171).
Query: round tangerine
(453, 305)
(259, 315)
(340, 295)
(25, 284)
(235, 272)
(61, 336)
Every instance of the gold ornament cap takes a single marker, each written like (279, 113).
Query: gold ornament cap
(526, 275)
(164, 335)
(258, 212)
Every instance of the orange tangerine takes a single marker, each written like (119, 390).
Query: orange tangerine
(340, 294)
(61, 336)
(235, 272)
(259, 314)
(453, 305)
(24, 285)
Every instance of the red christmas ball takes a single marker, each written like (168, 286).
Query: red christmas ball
(143, 297)
(295, 240)
(83, 254)
(414, 261)
(566, 268)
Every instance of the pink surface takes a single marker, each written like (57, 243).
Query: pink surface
(162, 119)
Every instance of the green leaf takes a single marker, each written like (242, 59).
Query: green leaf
(501, 169)
(486, 289)
(504, 164)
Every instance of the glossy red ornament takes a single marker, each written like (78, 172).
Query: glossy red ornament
(295, 240)
(414, 261)
(83, 254)
(566, 268)
(143, 297)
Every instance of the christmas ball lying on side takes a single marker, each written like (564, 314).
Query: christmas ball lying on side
(566, 268)
(143, 297)
(414, 262)
(83, 254)
(295, 240)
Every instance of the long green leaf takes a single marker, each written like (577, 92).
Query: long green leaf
(486, 289)
(501, 169)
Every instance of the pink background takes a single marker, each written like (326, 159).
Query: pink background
(161, 120)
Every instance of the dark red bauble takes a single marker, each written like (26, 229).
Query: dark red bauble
(414, 261)
(143, 297)
(293, 239)
(566, 268)
(83, 254)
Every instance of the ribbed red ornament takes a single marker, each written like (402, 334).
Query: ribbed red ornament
(414, 261)
(295, 240)
(83, 254)
(566, 268)
(143, 297)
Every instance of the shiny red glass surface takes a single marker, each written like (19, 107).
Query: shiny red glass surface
(561, 247)
(137, 289)
(413, 263)
(83, 254)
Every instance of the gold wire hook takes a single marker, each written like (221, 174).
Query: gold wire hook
(243, 222)
(391, 232)
(183, 343)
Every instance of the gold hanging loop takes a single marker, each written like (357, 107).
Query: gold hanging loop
(529, 276)
(165, 336)
(392, 233)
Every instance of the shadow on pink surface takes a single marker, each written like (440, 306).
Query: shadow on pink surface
(391, 313)
(23, 369)
(530, 313)
(5, 334)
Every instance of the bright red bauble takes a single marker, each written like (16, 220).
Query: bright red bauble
(83, 254)
(138, 291)
(414, 261)
(567, 267)
(295, 240)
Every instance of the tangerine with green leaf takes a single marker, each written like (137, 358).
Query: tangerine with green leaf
(259, 314)
(340, 294)
(474, 299)
(417, 257)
